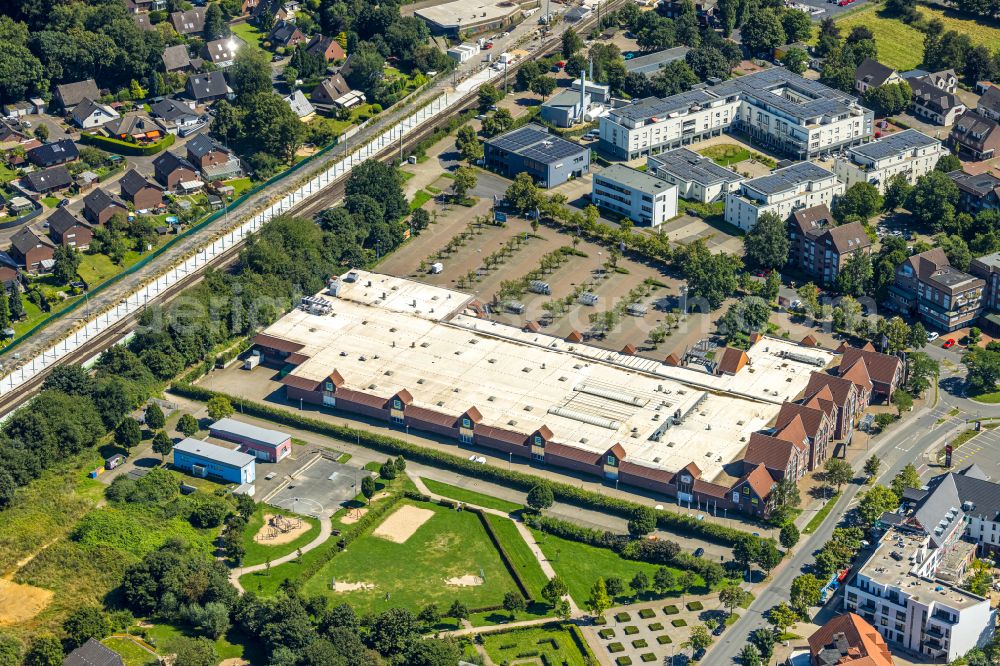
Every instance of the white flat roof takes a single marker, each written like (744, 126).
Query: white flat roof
(518, 381)
(214, 452)
(250, 431)
(467, 12)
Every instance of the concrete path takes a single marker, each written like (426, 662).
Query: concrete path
(325, 530)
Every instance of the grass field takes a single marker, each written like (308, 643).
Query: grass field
(420, 198)
(257, 552)
(988, 398)
(580, 565)
(450, 544)
(520, 555)
(249, 33)
(131, 653)
(548, 644)
(726, 154)
(470, 496)
(229, 646)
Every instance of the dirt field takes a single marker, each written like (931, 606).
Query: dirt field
(467, 580)
(353, 516)
(352, 587)
(20, 603)
(402, 523)
(271, 534)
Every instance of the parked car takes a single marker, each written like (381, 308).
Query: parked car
(63, 202)
(949, 343)
(698, 552)
(932, 336)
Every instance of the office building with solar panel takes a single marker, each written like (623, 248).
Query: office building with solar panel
(782, 192)
(780, 110)
(911, 153)
(550, 160)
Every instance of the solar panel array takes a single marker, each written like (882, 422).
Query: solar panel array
(536, 144)
(894, 144)
(788, 178)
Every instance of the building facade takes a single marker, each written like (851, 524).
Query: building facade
(820, 248)
(264, 444)
(910, 153)
(928, 286)
(550, 160)
(203, 459)
(987, 268)
(801, 185)
(645, 199)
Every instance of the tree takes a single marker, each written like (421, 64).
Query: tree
(458, 610)
(762, 32)
(21, 73)
(699, 639)
(433, 652)
(187, 425)
(388, 470)
(686, 581)
(523, 194)
(797, 25)
(554, 590)
(781, 617)
(889, 99)
(513, 603)
(250, 73)
(712, 277)
(642, 522)
(271, 125)
(768, 557)
(805, 592)
(571, 43)
(489, 95)
(875, 502)
(210, 512)
(906, 478)
(796, 60)
(67, 262)
(861, 200)
(750, 655)
(44, 650)
(382, 183)
(767, 244)
(789, 535)
(746, 549)
(614, 586)
(708, 62)
(872, 466)
(896, 193)
(219, 407)
(465, 179)
(543, 86)
(84, 623)
(498, 123)
(540, 497)
(855, 278)
(429, 615)
(664, 580)
(902, 400)
(154, 416)
(188, 651)
(809, 295)
(786, 497)
(368, 488)
(948, 163)
(732, 597)
(162, 444)
(215, 22)
(923, 372)
(983, 369)
(933, 199)
(7, 488)
(639, 583)
(128, 434)
(4, 309)
(838, 472)
(763, 639)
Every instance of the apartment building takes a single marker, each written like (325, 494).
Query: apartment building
(944, 297)
(790, 114)
(848, 639)
(820, 248)
(646, 200)
(988, 268)
(976, 137)
(910, 152)
(971, 493)
(977, 191)
(696, 177)
(801, 185)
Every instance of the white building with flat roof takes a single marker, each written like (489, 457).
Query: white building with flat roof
(782, 192)
(910, 152)
(697, 177)
(646, 200)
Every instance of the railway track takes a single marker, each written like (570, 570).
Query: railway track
(311, 207)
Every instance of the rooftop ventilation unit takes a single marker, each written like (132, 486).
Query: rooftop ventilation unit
(583, 417)
(802, 358)
(617, 396)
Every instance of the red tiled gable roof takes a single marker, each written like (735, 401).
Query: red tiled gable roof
(361, 398)
(672, 359)
(711, 489)
(692, 469)
(652, 473)
(272, 342)
(810, 417)
(474, 415)
(771, 452)
(303, 383)
(865, 643)
(545, 433)
(882, 368)
(574, 336)
(732, 360)
(840, 388)
(430, 416)
(759, 479)
(500, 434)
(794, 431)
(629, 349)
(336, 378)
(296, 358)
(755, 336)
(532, 327)
(618, 451)
(572, 453)
(869, 346)
(404, 396)
(809, 341)
(858, 373)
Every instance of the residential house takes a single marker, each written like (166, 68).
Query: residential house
(287, 11)
(137, 127)
(945, 80)
(222, 52)
(933, 103)
(784, 453)
(49, 180)
(286, 34)
(99, 207)
(327, 48)
(753, 493)
(696, 176)
(974, 495)
(89, 114)
(215, 160)
(824, 390)
(10, 277)
(872, 74)
(910, 153)
(327, 92)
(32, 252)
(818, 425)
(11, 135)
(191, 22)
(976, 137)
(176, 59)
(208, 87)
(928, 286)
(848, 639)
(177, 116)
(784, 191)
(884, 372)
(706, 10)
(988, 268)
(989, 103)
(171, 170)
(248, 6)
(52, 154)
(300, 105)
(141, 193)
(93, 653)
(68, 95)
(66, 229)
(143, 21)
(977, 191)
(820, 248)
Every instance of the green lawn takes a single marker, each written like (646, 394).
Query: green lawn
(470, 496)
(249, 33)
(257, 552)
(132, 653)
(549, 644)
(420, 198)
(51, 201)
(989, 398)
(239, 185)
(821, 515)
(229, 646)
(6, 174)
(579, 565)
(524, 561)
(450, 544)
(725, 154)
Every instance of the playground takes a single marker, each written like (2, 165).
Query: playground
(421, 553)
(278, 530)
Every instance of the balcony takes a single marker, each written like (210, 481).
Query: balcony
(935, 632)
(944, 617)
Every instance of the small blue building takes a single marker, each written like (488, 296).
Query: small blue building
(203, 459)
(549, 159)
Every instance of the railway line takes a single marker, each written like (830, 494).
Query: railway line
(310, 206)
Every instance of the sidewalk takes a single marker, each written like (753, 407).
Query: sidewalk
(325, 530)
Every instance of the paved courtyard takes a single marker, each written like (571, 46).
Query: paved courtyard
(320, 488)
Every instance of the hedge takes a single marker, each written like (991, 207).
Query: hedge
(563, 492)
(511, 569)
(125, 147)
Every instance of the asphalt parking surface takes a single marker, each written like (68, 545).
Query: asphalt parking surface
(320, 489)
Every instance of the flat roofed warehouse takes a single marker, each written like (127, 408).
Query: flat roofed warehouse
(205, 459)
(509, 383)
(265, 444)
(471, 17)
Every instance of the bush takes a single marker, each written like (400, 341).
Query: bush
(663, 639)
(631, 630)
(606, 633)
(656, 626)
(639, 643)
(678, 623)
(647, 656)
(623, 617)
(647, 613)
(615, 647)
(670, 610)
(624, 661)
(125, 147)
(695, 606)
